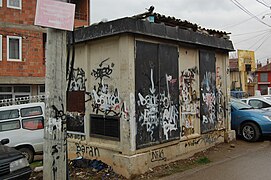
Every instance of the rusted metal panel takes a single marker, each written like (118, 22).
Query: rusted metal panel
(76, 101)
(208, 111)
(157, 108)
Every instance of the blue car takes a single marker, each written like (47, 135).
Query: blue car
(248, 122)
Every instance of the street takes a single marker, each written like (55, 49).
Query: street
(254, 164)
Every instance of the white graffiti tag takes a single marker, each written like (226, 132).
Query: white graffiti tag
(158, 110)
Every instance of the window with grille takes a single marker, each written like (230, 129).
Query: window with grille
(105, 126)
(8, 92)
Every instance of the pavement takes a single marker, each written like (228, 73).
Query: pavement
(223, 153)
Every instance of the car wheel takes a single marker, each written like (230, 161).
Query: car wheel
(250, 132)
(28, 153)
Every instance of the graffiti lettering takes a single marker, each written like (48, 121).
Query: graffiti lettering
(81, 150)
(208, 101)
(158, 155)
(167, 114)
(78, 80)
(59, 114)
(102, 72)
(211, 138)
(193, 142)
(76, 136)
(106, 99)
(189, 100)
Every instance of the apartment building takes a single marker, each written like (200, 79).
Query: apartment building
(23, 46)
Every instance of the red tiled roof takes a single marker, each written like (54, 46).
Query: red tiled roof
(265, 68)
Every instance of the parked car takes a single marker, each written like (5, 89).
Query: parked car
(238, 94)
(23, 125)
(13, 164)
(248, 122)
(258, 101)
(267, 97)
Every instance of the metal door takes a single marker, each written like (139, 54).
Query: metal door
(208, 112)
(157, 108)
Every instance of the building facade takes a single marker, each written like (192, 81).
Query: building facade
(264, 78)
(22, 47)
(242, 73)
(143, 93)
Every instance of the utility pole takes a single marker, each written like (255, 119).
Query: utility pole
(55, 144)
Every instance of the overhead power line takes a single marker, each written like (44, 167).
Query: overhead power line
(240, 6)
(263, 42)
(243, 21)
(264, 3)
(253, 37)
(265, 30)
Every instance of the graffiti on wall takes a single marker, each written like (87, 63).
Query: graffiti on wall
(156, 93)
(106, 98)
(158, 155)
(208, 101)
(78, 80)
(56, 125)
(83, 150)
(159, 110)
(79, 137)
(208, 108)
(211, 138)
(206, 139)
(220, 100)
(188, 100)
(76, 100)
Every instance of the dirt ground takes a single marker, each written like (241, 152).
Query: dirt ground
(213, 154)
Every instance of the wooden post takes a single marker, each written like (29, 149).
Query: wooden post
(54, 158)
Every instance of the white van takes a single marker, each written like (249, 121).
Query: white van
(23, 125)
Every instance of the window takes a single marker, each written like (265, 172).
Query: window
(8, 92)
(0, 39)
(32, 111)
(33, 123)
(14, 48)
(9, 114)
(9, 125)
(15, 4)
(264, 77)
(0, 3)
(258, 104)
(41, 89)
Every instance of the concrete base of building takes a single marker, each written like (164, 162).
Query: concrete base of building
(230, 136)
(143, 160)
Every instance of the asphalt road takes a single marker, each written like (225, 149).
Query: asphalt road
(252, 165)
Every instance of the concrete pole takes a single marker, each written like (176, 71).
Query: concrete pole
(54, 158)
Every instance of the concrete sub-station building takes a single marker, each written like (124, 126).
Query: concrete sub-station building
(147, 90)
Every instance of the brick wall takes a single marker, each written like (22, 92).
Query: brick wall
(33, 52)
(26, 15)
(33, 62)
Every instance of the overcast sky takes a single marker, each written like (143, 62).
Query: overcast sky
(247, 33)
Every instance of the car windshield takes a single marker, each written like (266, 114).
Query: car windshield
(240, 105)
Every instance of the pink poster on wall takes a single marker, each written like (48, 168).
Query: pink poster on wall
(55, 14)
